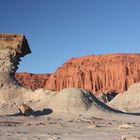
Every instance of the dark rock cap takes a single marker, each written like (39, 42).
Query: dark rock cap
(16, 42)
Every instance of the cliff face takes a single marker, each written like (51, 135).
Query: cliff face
(95, 73)
(32, 81)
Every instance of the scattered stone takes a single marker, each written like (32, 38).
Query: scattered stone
(9, 123)
(92, 126)
(25, 110)
(129, 138)
(124, 126)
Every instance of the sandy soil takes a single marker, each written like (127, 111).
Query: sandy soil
(73, 114)
(52, 128)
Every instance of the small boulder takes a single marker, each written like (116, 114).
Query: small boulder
(124, 126)
(25, 110)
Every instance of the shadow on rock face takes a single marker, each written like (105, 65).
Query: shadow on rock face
(43, 112)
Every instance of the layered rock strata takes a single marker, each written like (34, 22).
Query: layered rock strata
(12, 47)
(32, 81)
(97, 74)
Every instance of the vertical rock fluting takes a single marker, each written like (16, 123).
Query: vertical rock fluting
(97, 73)
(12, 47)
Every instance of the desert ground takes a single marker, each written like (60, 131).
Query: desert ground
(49, 128)
(59, 128)
(67, 118)
(68, 114)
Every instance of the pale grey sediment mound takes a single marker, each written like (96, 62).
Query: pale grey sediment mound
(11, 100)
(102, 106)
(72, 100)
(39, 98)
(69, 100)
(129, 101)
(75, 100)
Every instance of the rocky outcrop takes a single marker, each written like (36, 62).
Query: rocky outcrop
(32, 81)
(12, 47)
(95, 73)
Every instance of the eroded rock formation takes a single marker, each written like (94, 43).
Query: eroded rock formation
(32, 81)
(12, 47)
(95, 73)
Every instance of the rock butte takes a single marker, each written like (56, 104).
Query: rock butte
(12, 47)
(95, 73)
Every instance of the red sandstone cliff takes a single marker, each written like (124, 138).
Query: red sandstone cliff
(32, 81)
(95, 73)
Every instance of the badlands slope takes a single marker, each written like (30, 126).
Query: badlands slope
(71, 114)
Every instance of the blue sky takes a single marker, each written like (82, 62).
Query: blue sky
(60, 29)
